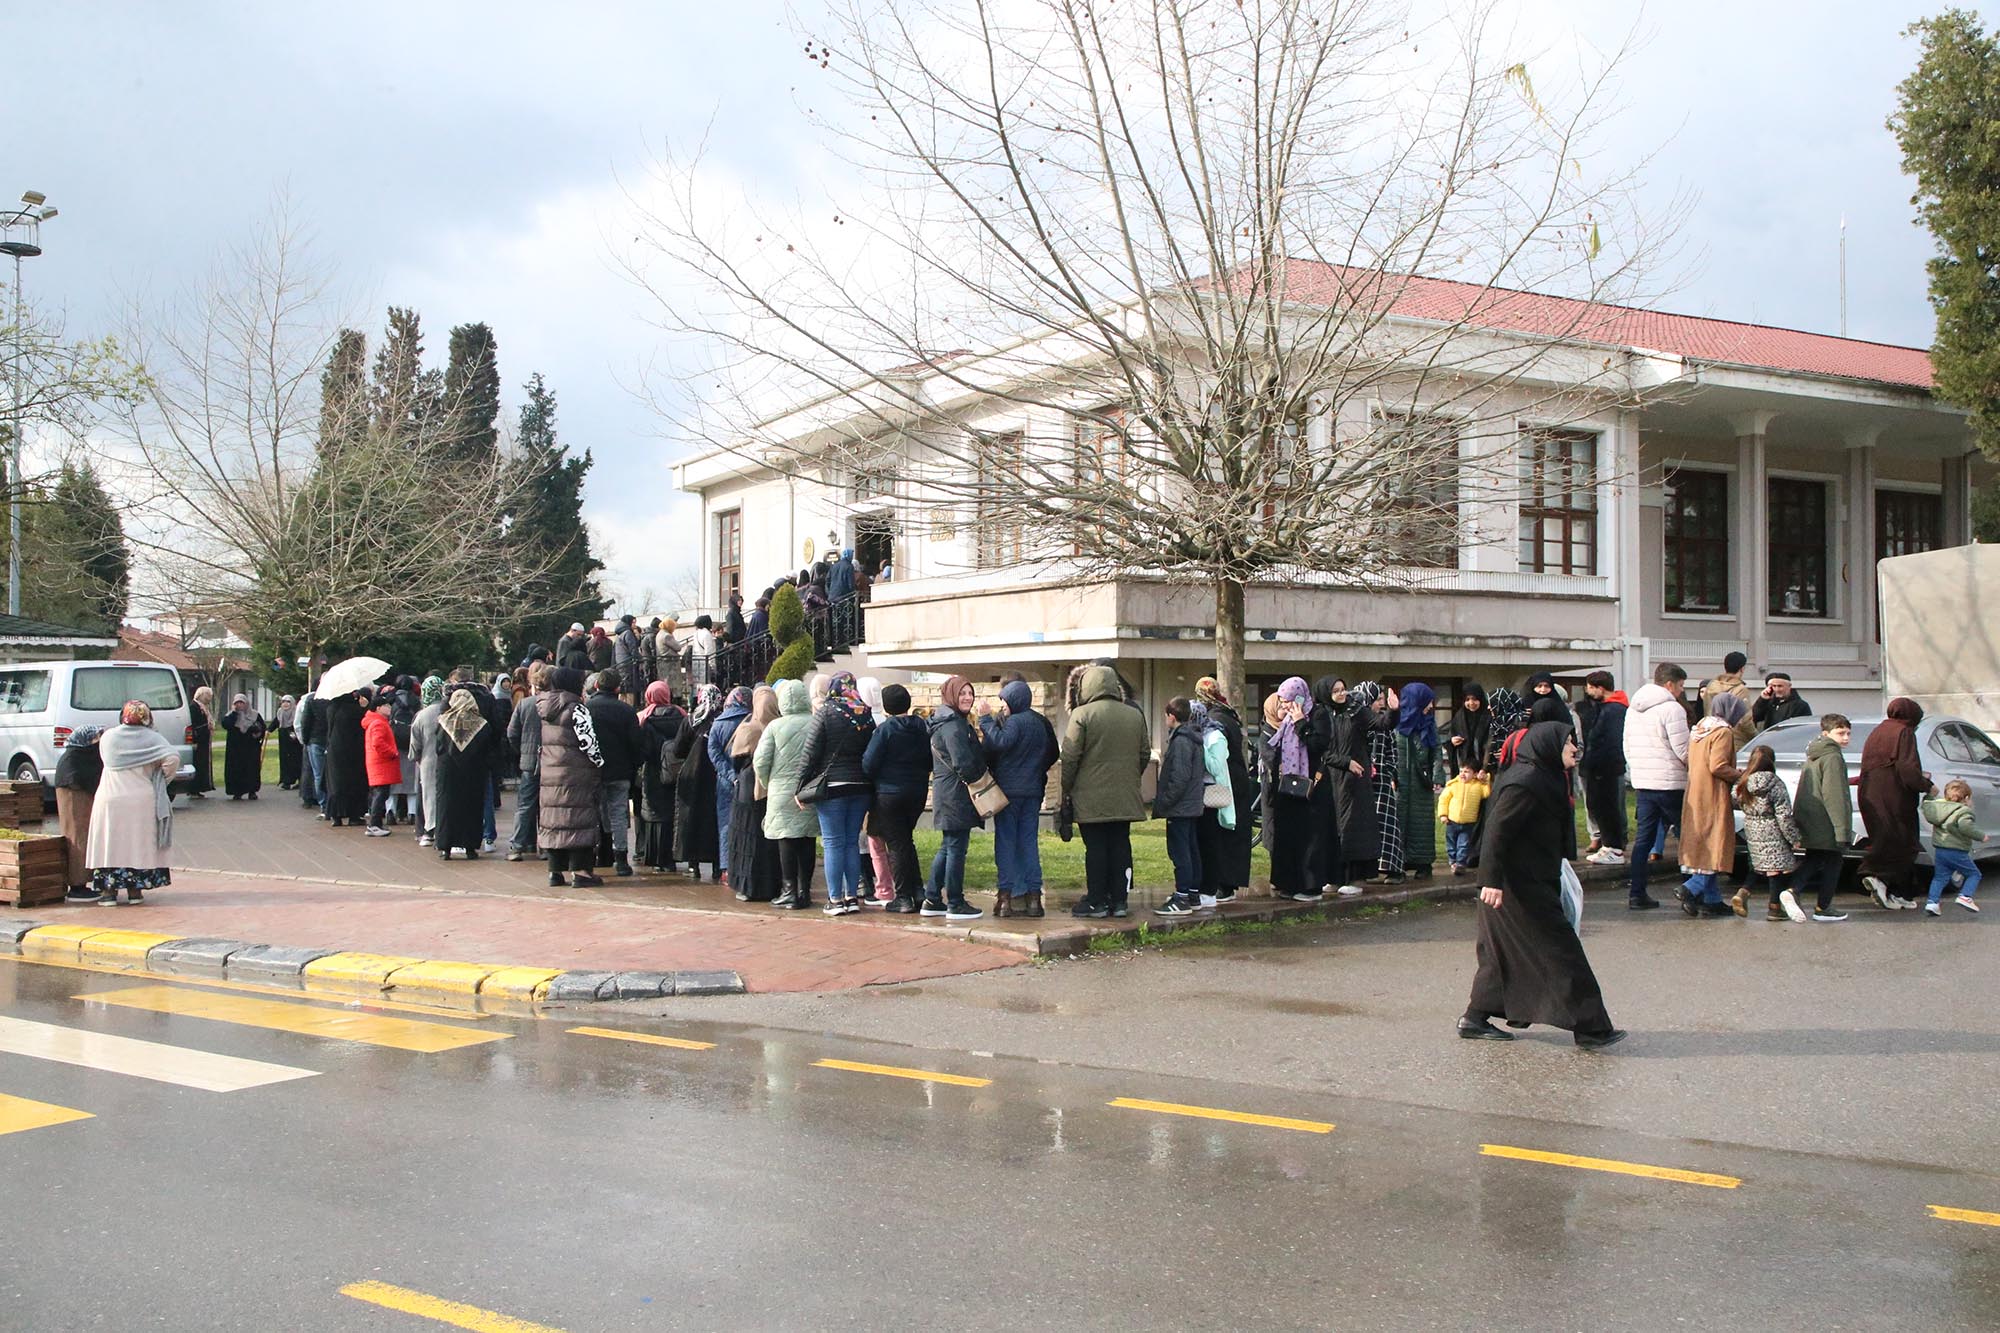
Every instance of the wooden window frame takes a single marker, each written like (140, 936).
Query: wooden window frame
(1682, 551)
(1447, 446)
(999, 541)
(1894, 507)
(1547, 455)
(728, 572)
(1795, 541)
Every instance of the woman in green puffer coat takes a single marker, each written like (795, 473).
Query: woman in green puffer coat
(781, 753)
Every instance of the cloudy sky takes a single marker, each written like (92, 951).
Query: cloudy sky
(474, 161)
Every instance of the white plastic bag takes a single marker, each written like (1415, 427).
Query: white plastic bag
(1572, 898)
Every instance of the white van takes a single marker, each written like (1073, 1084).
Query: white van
(41, 703)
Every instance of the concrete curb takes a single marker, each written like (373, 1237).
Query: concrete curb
(348, 973)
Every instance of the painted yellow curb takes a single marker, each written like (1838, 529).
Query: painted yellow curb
(57, 943)
(517, 983)
(354, 971)
(121, 946)
(441, 977)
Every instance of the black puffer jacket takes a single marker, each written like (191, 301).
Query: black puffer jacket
(567, 814)
(836, 745)
(956, 761)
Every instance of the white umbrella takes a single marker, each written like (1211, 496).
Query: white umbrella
(346, 677)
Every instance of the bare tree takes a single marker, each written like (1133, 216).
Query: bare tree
(1202, 288)
(305, 515)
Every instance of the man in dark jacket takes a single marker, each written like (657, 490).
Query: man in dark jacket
(617, 725)
(1177, 799)
(575, 643)
(524, 734)
(1020, 750)
(625, 658)
(898, 762)
(1778, 703)
(1104, 753)
(311, 726)
(1603, 767)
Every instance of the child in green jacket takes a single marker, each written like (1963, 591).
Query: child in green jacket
(1952, 835)
(1825, 813)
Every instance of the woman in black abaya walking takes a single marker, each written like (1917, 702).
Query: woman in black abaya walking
(1532, 967)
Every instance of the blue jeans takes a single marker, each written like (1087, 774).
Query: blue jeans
(1951, 863)
(527, 806)
(315, 775)
(1656, 810)
(1017, 856)
(1458, 842)
(1184, 851)
(489, 830)
(1701, 886)
(840, 829)
(725, 801)
(947, 881)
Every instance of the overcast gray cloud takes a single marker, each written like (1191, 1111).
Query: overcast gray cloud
(465, 159)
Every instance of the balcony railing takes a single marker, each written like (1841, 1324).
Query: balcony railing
(835, 629)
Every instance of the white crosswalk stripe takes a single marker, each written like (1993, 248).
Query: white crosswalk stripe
(141, 1059)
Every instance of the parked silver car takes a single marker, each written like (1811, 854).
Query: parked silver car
(1947, 747)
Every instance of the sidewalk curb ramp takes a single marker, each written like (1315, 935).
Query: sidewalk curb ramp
(348, 973)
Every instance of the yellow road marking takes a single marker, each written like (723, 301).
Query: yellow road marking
(1612, 1165)
(897, 1071)
(1211, 1113)
(648, 1038)
(257, 988)
(141, 1059)
(456, 1313)
(18, 1113)
(403, 1034)
(357, 971)
(1971, 1215)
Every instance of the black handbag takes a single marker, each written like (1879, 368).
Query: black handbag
(1066, 820)
(812, 793)
(1294, 784)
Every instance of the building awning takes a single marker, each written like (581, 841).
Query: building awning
(20, 632)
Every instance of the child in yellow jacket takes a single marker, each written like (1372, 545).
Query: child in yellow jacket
(1458, 809)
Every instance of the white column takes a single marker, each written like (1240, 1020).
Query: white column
(1489, 513)
(1752, 555)
(1958, 500)
(1619, 544)
(1860, 547)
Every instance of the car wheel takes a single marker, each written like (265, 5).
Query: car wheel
(25, 771)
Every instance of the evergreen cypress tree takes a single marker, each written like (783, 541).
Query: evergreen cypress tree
(551, 524)
(398, 389)
(75, 562)
(343, 391)
(471, 393)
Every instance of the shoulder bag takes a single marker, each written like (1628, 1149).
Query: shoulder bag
(1217, 796)
(987, 798)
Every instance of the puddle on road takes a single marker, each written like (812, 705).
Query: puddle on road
(1008, 1004)
(1278, 1004)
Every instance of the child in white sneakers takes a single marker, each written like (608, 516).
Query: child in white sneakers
(1952, 836)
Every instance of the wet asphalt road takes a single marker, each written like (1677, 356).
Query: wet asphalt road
(586, 1183)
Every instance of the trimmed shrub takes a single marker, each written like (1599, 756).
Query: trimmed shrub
(795, 643)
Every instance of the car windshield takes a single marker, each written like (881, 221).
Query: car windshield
(108, 689)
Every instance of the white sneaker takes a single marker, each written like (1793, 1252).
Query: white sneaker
(1966, 903)
(1350, 890)
(1878, 891)
(489, 846)
(1208, 900)
(423, 840)
(1901, 904)
(1790, 902)
(1932, 909)
(374, 832)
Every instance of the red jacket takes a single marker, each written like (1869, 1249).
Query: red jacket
(378, 746)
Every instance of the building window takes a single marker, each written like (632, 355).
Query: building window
(1559, 502)
(1907, 522)
(1284, 465)
(1697, 542)
(1421, 497)
(729, 552)
(1796, 535)
(1000, 535)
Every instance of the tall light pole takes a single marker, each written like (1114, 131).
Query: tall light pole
(21, 237)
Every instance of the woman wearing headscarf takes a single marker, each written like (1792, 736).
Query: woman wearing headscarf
(1338, 780)
(132, 816)
(1420, 776)
(405, 704)
(1290, 716)
(877, 877)
(836, 740)
(291, 754)
(566, 815)
(757, 876)
(1891, 789)
(660, 725)
(1532, 967)
(1708, 812)
(467, 757)
(788, 825)
(1225, 863)
(346, 769)
(697, 840)
(201, 733)
(79, 769)
(1374, 845)
(242, 750)
(1471, 732)
(734, 710)
(603, 653)
(426, 746)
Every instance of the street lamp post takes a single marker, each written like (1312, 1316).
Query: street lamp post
(21, 237)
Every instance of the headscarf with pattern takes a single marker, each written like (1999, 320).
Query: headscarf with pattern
(843, 695)
(462, 718)
(707, 703)
(1209, 691)
(431, 690)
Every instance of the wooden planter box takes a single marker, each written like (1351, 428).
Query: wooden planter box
(33, 871)
(21, 805)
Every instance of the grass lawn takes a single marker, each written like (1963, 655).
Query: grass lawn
(1062, 862)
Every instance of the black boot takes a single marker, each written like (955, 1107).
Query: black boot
(787, 896)
(623, 869)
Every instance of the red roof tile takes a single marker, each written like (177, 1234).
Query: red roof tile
(1754, 345)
